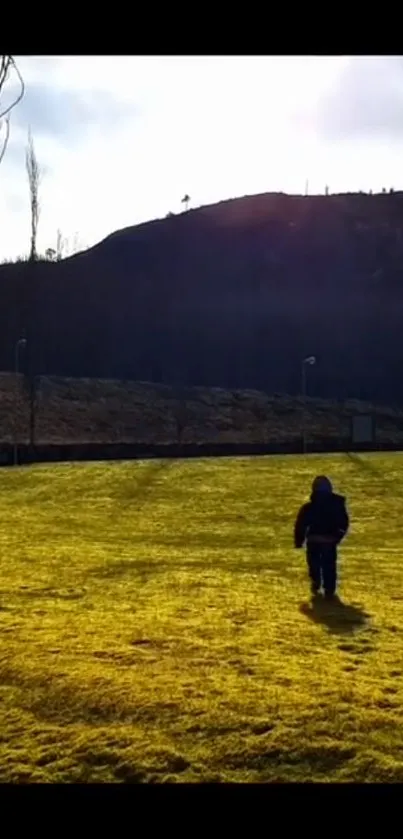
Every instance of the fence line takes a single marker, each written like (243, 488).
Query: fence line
(133, 451)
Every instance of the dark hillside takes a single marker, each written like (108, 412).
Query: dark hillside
(231, 295)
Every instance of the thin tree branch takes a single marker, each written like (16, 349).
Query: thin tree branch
(6, 139)
(7, 61)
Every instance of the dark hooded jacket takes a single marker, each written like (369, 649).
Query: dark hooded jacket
(323, 519)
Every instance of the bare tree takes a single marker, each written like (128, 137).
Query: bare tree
(34, 177)
(8, 63)
(185, 200)
(56, 254)
(64, 247)
(60, 245)
(76, 246)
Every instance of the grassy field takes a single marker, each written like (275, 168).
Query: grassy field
(155, 624)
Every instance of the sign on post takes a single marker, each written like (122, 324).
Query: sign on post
(362, 429)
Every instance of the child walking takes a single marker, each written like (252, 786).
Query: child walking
(322, 523)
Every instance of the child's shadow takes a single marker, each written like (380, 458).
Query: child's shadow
(339, 617)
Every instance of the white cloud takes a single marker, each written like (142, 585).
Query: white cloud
(365, 100)
(123, 138)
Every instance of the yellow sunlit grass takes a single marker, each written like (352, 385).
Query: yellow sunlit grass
(155, 624)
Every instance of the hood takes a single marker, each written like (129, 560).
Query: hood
(321, 484)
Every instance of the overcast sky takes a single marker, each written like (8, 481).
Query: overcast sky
(122, 139)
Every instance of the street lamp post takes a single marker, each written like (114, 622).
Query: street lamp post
(22, 342)
(310, 360)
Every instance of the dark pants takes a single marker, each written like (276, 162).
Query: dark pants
(322, 559)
